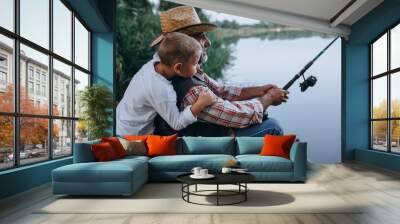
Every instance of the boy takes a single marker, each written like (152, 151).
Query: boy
(150, 91)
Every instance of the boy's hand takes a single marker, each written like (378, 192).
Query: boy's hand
(206, 98)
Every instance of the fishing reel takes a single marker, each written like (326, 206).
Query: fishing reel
(309, 82)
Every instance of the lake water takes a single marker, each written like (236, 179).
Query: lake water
(314, 115)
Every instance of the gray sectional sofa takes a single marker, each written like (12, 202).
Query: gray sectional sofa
(125, 176)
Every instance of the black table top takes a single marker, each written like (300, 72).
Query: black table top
(220, 178)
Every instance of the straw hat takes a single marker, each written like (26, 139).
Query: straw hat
(183, 19)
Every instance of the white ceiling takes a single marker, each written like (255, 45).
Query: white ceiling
(324, 9)
(317, 15)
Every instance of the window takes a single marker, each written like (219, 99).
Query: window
(30, 72)
(7, 14)
(34, 21)
(3, 61)
(43, 77)
(7, 142)
(62, 140)
(3, 78)
(54, 126)
(38, 89)
(30, 87)
(3, 72)
(81, 81)
(38, 74)
(43, 90)
(63, 75)
(81, 45)
(62, 29)
(6, 73)
(385, 91)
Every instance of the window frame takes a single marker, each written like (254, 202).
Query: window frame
(388, 74)
(16, 114)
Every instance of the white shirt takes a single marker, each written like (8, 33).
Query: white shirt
(148, 94)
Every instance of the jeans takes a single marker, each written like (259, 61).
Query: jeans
(268, 126)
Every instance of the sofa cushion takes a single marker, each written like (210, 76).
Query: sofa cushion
(257, 163)
(131, 158)
(249, 145)
(120, 170)
(185, 163)
(206, 145)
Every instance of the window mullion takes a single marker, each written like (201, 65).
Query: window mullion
(50, 81)
(16, 84)
(389, 106)
(73, 82)
(371, 98)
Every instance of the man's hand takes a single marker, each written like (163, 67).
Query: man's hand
(266, 88)
(278, 96)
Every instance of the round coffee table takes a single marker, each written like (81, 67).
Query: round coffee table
(238, 179)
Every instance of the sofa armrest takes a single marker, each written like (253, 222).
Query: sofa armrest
(83, 152)
(298, 155)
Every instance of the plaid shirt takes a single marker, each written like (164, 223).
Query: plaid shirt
(223, 91)
(235, 114)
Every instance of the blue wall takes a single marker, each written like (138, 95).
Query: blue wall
(100, 17)
(24, 178)
(356, 101)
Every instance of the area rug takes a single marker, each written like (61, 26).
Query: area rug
(166, 198)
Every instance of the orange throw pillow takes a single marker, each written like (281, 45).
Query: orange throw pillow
(116, 145)
(161, 145)
(275, 145)
(103, 152)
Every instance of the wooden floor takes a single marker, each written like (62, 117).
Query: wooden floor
(378, 188)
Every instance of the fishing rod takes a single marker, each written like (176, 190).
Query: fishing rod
(311, 80)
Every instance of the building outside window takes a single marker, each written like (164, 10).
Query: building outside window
(385, 94)
(60, 127)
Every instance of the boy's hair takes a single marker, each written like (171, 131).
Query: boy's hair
(177, 47)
